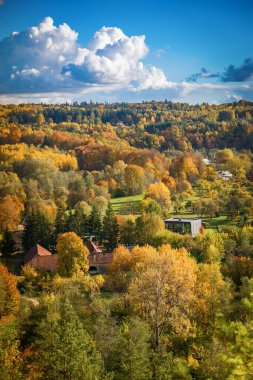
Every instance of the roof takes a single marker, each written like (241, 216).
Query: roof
(183, 220)
(92, 247)
(36, 250)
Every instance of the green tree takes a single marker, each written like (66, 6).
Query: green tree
(110, 229)
(8, 244)
(130, 359)
(39, 230)
(94, 223)
(10, 356)
(147, 226)
(66, 351)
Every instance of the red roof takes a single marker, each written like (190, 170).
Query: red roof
(92, 247)
(101, 259)
(36, 250)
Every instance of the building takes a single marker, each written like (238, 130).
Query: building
(92, 247)
(225, 175)
(191, 226)
(41, 258)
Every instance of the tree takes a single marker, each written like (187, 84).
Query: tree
(226, 115)
(238, 356)
(119, 271)
(65, 350)
(11, 209)
(130, 359)
(163, 291)
(128, 230)
(9, 294)
(147, 226)
(110, 229)
(124, 266)
(10, 355)
(134, 179)
(72, 254)
(212, 294)
(40, 118)
(94, 223)
(160, 193)
(149, 205)
(8, 244)
(38, 230)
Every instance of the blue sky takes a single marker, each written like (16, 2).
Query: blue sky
(185, 56)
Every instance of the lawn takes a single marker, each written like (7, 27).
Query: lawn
(131, 205)
(127, 205)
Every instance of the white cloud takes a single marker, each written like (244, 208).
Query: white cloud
(49, 58)
(46, 63)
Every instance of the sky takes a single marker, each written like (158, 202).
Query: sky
(190, 51)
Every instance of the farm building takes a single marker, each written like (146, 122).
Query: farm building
(183, 226)
(41, 258)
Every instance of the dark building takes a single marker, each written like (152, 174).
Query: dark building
(191, 226)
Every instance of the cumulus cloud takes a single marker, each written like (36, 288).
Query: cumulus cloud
(49, 58)
(240, 73)
(46, 63)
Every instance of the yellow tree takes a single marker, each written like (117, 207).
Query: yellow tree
(124, 266)
(9, 294)
(163, 291)
(160, 193)
(212, 293)
(72, 254)
(10, 212)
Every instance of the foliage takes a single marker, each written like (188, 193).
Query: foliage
(72, 254)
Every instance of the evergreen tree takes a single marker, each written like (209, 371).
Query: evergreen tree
(95, 224)
(110, 229)
(77, 222)
(66, 351)
(60, 222)
(7, 245)
(130, 359)
(39, 230)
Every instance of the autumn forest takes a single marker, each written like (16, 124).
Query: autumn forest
(93, 285)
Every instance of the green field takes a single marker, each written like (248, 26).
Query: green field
(131, 205)
(127, 205)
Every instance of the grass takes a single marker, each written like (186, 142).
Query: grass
(127, 205)
(131, 205)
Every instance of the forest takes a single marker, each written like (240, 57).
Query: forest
(169, 306)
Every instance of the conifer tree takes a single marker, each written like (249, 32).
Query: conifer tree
(39, 230)
(110, 229)
(95, 224)
(66, 351)
(130, 360)
(7, 245)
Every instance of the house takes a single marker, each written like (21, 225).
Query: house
(225, 175)
(92, 247)
(98, 260)
(191, 226)
(41, 258)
